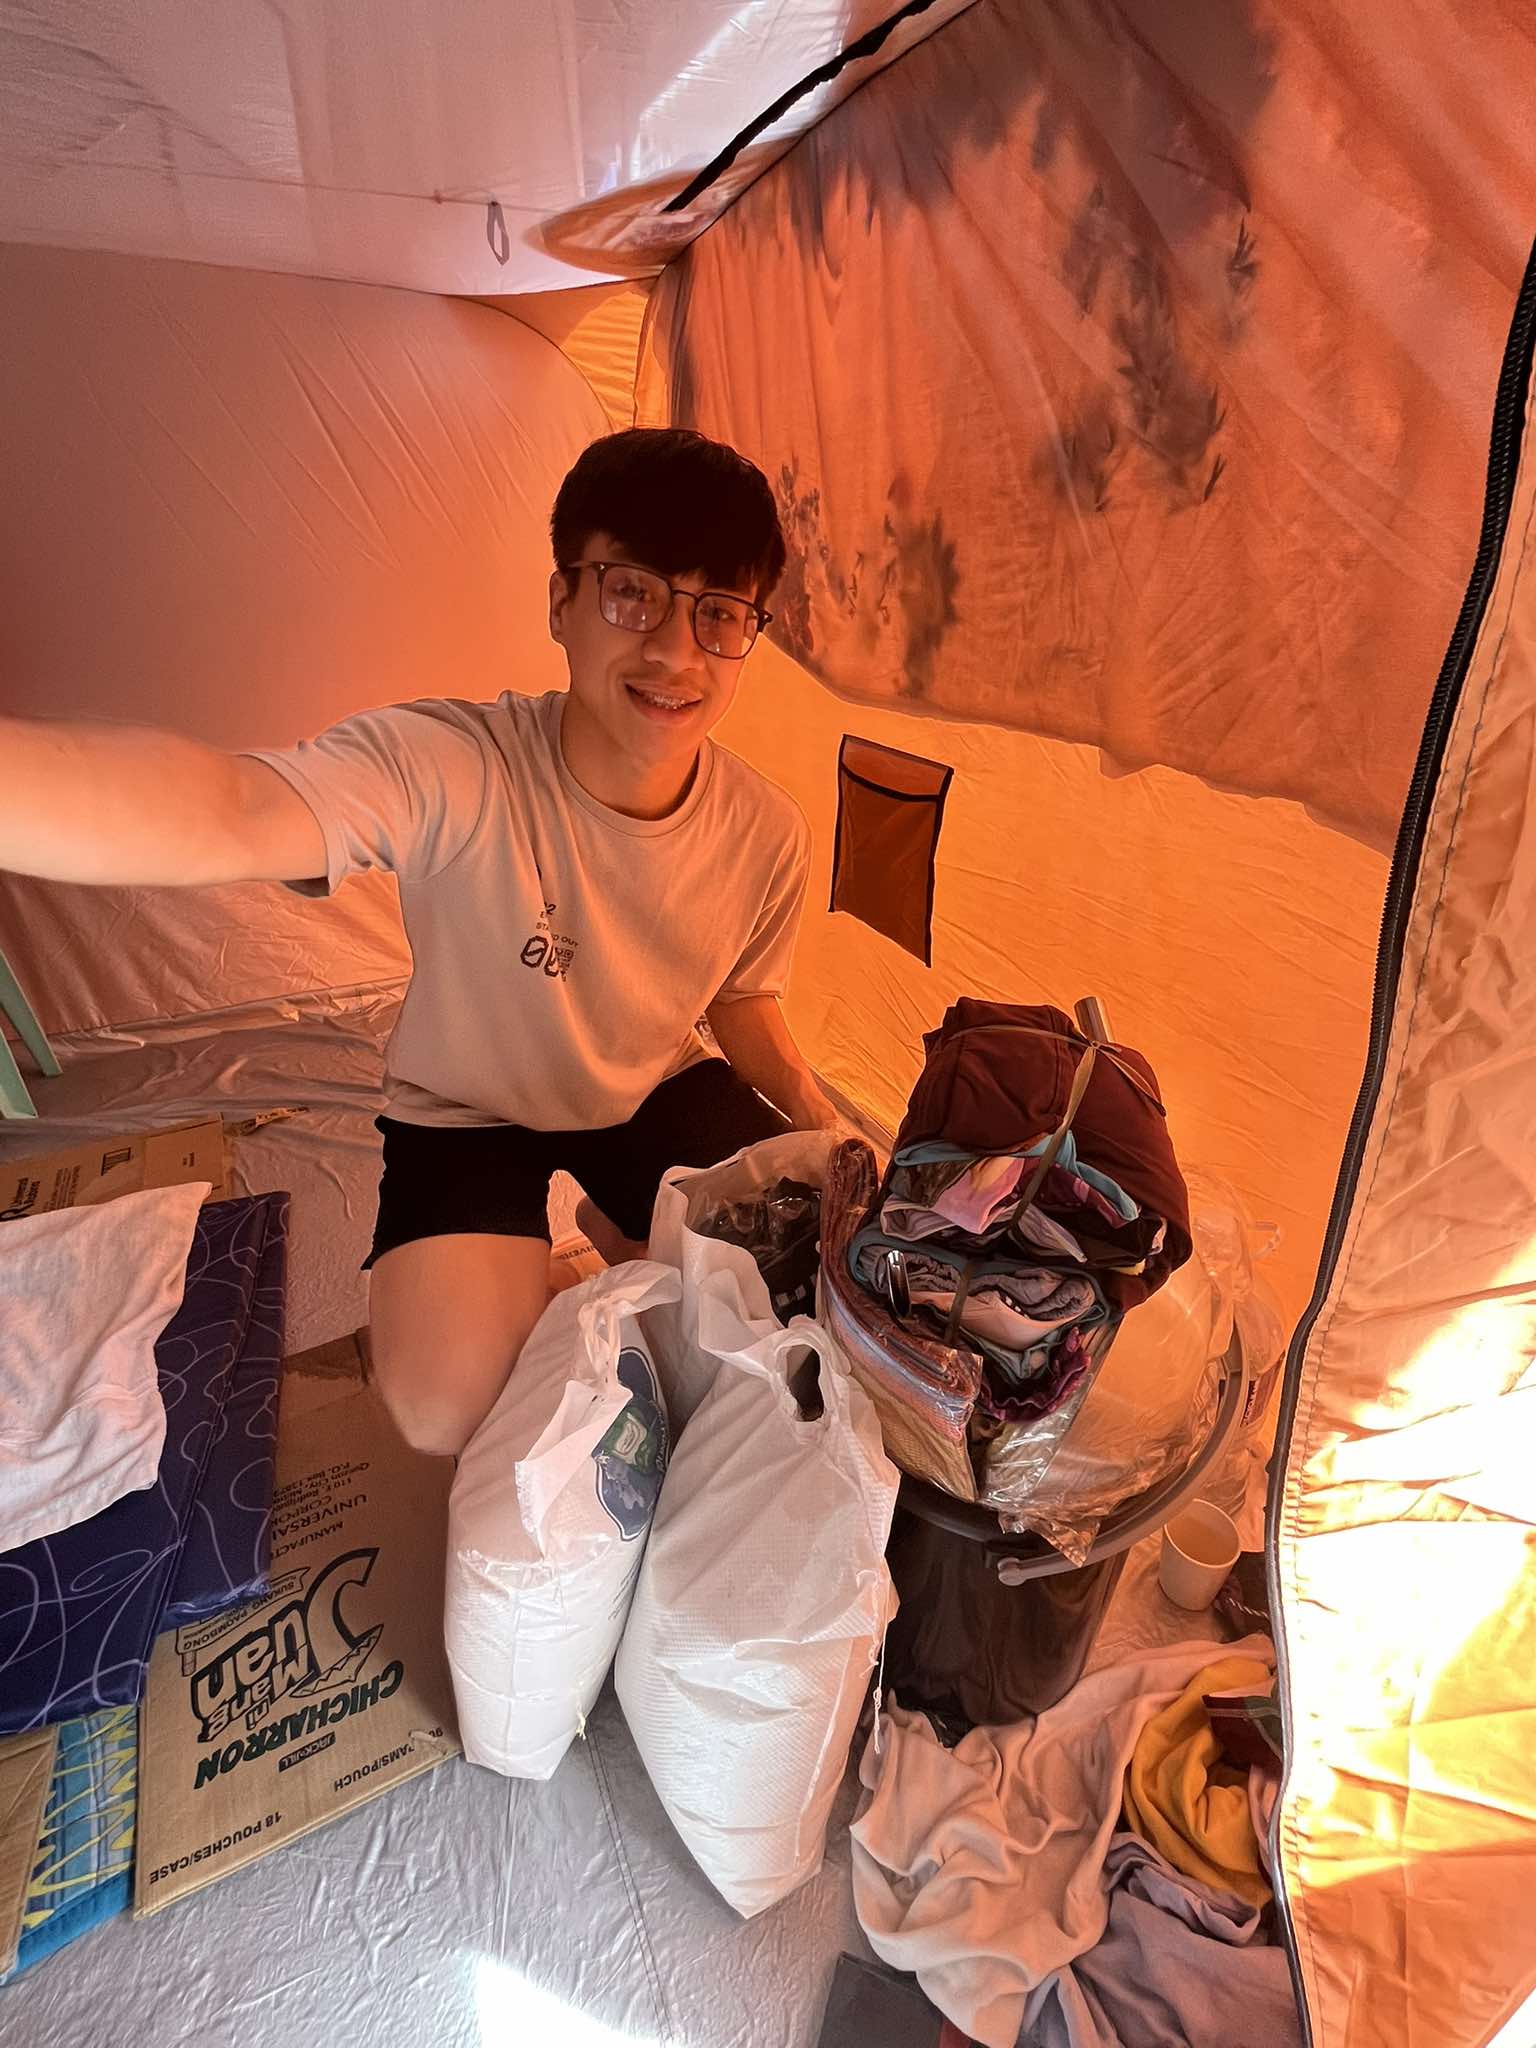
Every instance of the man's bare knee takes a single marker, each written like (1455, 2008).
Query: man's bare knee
(449, 1316)
(438, 1428)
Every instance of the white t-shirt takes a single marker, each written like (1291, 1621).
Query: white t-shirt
(564, 952)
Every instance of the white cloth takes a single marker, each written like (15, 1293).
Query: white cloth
(86, 1293)
(981, 1868)
(564, 952)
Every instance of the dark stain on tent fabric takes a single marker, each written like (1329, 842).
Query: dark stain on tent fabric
(1138, 250)
(800, 516)
(924, 583)
(915, 579)
(1176, 413)
(1160, 402)
(1086, 455)
(1135, 195)
(1242, 265)
(1016, 66)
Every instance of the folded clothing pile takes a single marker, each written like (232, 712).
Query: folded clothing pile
(1156, 1397)
(1032, 1198)
(81, 1604)
(1202, 1779)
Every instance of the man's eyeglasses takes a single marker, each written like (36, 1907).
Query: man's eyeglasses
(641, 602)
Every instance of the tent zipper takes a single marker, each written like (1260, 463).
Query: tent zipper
(1503, 467)
(867, 45)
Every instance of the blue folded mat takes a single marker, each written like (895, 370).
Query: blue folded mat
(79, 1610)
(228, 1552)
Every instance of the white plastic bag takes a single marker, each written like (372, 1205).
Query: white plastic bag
(762, 1604)
(688, 1368)
(547, 1522)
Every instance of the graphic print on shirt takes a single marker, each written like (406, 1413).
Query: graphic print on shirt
(549, 951)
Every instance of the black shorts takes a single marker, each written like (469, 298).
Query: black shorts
(441, 1179)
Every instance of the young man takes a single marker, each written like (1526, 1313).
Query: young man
(583, 876)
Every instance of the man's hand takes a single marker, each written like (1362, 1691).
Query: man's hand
(817, 1113)
(754, 1037)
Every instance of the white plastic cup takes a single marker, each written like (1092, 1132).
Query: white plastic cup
(1200, 1547)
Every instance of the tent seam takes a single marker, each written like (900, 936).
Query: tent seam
(1452, 837)
(290, 995)
(1409, 1030)
(631, 1891)
(529, 328)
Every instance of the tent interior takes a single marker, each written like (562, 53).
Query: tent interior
(1124, 371)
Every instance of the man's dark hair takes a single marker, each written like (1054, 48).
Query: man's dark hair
(677, 502)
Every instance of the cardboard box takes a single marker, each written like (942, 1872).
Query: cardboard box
(325, 1373)
(108, 1167)
(266, 1722)
(26, 1777)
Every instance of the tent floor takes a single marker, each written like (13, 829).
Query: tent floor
(463, 1910)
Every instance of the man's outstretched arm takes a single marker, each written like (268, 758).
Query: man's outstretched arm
(123, 804)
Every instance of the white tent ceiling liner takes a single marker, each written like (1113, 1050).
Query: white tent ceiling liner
(365, 139)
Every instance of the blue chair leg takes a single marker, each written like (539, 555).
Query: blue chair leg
(14, 1099)
(15, 1006)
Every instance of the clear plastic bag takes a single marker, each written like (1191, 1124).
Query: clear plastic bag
(1154, 1401)
(781, 1228)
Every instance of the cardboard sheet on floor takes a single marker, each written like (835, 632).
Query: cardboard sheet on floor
(83, 1855)
(26, 1771)
(265, 1723)
(79, 1176)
